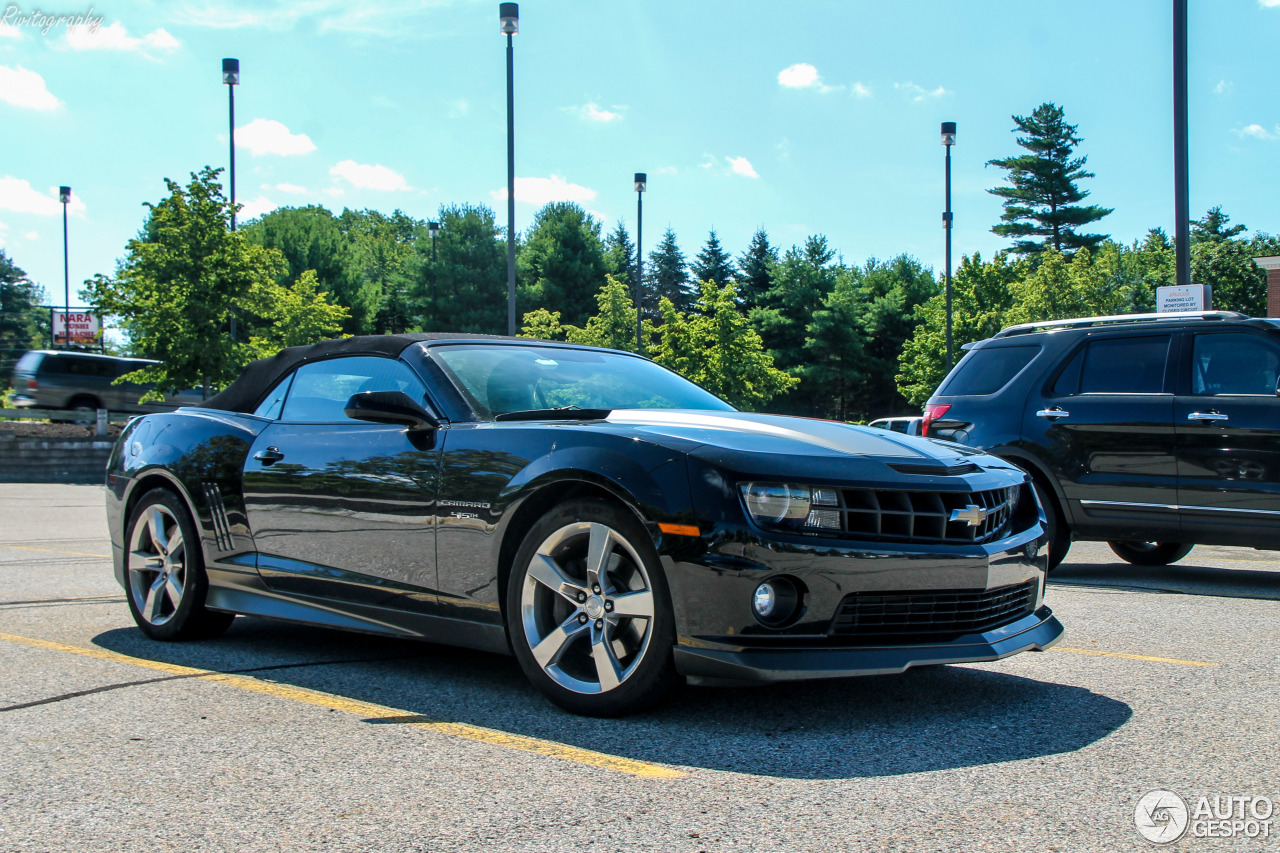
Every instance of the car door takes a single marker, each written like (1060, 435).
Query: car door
(1104, 426)
(338, 507)
(1227, 417)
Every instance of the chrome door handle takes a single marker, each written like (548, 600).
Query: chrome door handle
(1207, 416)
(1053, 414)
(269, 456)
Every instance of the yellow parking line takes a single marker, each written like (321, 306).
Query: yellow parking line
(1131, 657)
(55, 551)
(374, 713)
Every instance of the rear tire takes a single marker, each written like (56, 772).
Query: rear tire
(1151, 553)
(166, 584)
(589, 611)
(1056, 533)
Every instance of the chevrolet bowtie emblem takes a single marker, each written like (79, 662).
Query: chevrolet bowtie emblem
(973, 515)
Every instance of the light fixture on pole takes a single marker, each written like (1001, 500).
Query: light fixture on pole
(64, 196)
(642, 182)
(433, 228)
(509, 13)
(948, 139)
(231, 76)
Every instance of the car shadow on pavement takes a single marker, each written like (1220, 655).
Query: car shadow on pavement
(938, 718)
(1185, 577)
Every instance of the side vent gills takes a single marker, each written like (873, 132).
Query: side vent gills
(218, 512)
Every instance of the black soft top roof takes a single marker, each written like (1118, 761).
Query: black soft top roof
(261, 376)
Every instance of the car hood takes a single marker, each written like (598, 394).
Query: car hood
(743, 432)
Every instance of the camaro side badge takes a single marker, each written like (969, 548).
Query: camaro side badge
(973, 515)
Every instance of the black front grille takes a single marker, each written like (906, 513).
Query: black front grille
(896, 515)
(932, 615)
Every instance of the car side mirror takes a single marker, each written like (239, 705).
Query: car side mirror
(389, 407)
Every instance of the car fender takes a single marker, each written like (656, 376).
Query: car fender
(1032, 465)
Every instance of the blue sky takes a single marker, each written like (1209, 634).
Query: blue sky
(803, 117)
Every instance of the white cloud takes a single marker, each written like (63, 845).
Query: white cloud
(31, 235)
(23, 88)
(742, 166)
(336, 192)
(802, 75)
(291, 189)
(17, 195)
(667, 170)
(591, 111)
(116, 37)
(860, 91)
(253, 208)
(1269, 4)
(1257, 131)
(540, 191)
(373, 177)
(729, 166)
(919, 93)
(9, 31)
(1225, 87)
(266, 136)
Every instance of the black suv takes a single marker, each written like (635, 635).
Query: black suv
(1151, 432)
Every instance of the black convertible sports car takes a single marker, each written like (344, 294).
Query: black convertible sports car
(615, 526)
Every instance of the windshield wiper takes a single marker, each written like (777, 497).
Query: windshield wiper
(561, 413)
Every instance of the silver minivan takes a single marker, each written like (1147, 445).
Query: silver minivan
(82, 381)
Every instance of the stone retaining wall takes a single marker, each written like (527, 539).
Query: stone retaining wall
(53, 460)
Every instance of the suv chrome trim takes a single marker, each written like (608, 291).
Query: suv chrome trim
(1177, 507)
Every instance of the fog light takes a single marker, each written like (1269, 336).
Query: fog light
(765, 600)
(776, 602)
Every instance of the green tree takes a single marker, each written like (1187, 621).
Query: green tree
(301, 314)
(713, 262)
(381, 251)
(1041, 209)
(836, 346)
(717, 348)
(620, 254)
(542, 325)
(464, 289)
(612, 326)
(181, 280)
(755, 270)
(312, 238)
(981, 297)
(801, 281)
(23, 323)
(667, 276)
(1213, 227)
(561, 263)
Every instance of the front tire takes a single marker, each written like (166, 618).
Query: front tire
(164, 572)
(1056, 533)
(589, 612)
(1151, 553)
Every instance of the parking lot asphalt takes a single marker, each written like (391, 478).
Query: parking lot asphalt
(280, 737)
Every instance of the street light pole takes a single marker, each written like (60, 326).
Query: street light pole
(509, 14)
(642, 181)
(64, 196)
(948, 139)
(1181, 193)
(231, 76)
(433, 228)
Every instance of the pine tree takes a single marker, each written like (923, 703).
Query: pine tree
(462, 286)
(1040, 208)
(755, 270)
(667, 276)
(1213, 228)
(713, 263)
(20, 315)
(620, 254)
(561, 264)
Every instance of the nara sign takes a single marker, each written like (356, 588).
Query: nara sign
(85, 328)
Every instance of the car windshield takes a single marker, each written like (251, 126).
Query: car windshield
(502, 378)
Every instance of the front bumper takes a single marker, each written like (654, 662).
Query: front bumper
(1036, 631)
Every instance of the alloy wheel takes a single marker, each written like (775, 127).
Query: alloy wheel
(157, 565)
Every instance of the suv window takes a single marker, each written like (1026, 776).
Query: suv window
(1124, 365)
(28, 363)
(987, 370)
(320, 390)
(1234, 364)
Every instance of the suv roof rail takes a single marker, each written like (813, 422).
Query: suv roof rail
(1085, 322)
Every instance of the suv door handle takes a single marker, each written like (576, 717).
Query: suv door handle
(1053, 414)
(1207, 416)
(269, 456)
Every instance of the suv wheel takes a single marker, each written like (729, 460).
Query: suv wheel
(1151, 553)
(1056, 533)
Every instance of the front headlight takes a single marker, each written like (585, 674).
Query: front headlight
(777, 503)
